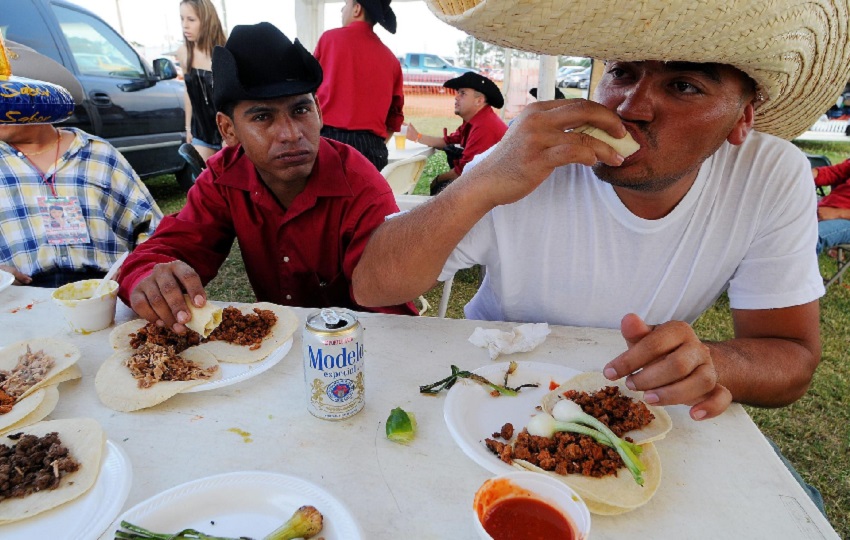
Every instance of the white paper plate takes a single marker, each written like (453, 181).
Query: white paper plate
(473, 415)
(234, 373)
(87, 516)
(250, 503)
(6, 279)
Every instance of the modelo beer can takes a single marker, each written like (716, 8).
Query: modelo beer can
(332, 345)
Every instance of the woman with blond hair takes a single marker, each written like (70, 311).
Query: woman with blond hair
(202, 31)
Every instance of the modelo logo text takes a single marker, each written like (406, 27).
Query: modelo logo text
(346, 358)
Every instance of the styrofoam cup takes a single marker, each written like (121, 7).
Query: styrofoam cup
(549, 490)
(84, 313)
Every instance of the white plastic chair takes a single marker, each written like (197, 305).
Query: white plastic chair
(404, 174)
(444, 299)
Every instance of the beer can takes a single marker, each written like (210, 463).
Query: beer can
(332, 345)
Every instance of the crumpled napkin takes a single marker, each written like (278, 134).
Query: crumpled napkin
(522, 338)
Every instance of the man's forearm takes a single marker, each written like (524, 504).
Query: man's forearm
(765, 372)
(433, 142)
(405, 255)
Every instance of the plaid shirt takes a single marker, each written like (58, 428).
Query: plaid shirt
(117, 207)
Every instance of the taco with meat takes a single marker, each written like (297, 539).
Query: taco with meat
(28, 365)
(65, 477)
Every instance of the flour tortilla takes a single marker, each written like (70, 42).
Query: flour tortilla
(287, 323)
(118, 390)
(47, 398)
(85, 439)
(615, 494)
(625, 146)
(204, 319)
(64, 356)
(591, 381)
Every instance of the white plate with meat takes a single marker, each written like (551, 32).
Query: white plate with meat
(88, 515)
(234, 373)
(473, 415)
(249, 503)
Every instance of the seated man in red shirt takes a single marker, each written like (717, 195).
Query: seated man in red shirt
(834, 209)
(301, 206)
(481, 127)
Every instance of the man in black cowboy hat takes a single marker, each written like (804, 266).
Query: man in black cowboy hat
(301, 206)
(362, 94)
(481, 127)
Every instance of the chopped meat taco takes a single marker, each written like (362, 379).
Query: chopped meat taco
(26, 366)
(132, 380)
(64, 478)
(591, 381)
(252, 334)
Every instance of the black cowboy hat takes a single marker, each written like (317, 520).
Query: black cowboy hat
(558, 93)
(260, 62)
(380, 12)
(480, 83)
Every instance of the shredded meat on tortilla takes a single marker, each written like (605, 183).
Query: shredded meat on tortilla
(154, 363)
(33, 464)
(244, 329)
(30, 370)
(153, 334)
(571, 453)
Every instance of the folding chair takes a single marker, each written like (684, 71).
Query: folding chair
(404, 174)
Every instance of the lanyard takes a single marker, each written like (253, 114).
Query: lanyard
(52, 181)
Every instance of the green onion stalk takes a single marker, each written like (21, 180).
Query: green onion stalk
(568, 416)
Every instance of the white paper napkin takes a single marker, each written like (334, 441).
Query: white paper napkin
(522, 338)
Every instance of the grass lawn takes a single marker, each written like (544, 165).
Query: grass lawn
(813, 433)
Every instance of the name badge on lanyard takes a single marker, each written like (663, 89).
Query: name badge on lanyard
(63, 220)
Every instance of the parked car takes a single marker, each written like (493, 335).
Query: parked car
(423, 69)
(135, 106)
(579, 79)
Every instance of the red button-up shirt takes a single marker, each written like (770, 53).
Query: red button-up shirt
(835, 176)
(362, 87)
(303, 255)
(481, 132)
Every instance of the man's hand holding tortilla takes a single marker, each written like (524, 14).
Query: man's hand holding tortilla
(159, 297)
(538, 141)
(671, 365)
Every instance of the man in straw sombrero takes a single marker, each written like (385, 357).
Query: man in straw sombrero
(714, 200)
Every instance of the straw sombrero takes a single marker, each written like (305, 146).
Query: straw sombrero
(797, 51)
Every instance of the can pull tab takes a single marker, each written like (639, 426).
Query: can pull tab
(331, 318)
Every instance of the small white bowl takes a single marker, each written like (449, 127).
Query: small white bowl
(84, 313)
(549, 490)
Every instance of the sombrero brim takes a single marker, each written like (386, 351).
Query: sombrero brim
(796, 50)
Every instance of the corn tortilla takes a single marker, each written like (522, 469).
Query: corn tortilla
(591, 381)
(47, 398)
(614, 493)
(64, 356)
(85, 439)
(118, 390)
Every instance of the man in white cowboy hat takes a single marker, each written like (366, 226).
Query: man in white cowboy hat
(481, 128)
(573, 233)
(301, 206)
(362, 95)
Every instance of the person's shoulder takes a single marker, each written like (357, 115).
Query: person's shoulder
(762, 151)
(360, 174)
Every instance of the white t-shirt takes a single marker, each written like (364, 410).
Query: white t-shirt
(571, 253)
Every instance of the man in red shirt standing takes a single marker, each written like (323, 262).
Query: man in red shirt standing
(362, 94)
(834, 209)
(481, 127)
(301, 206)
